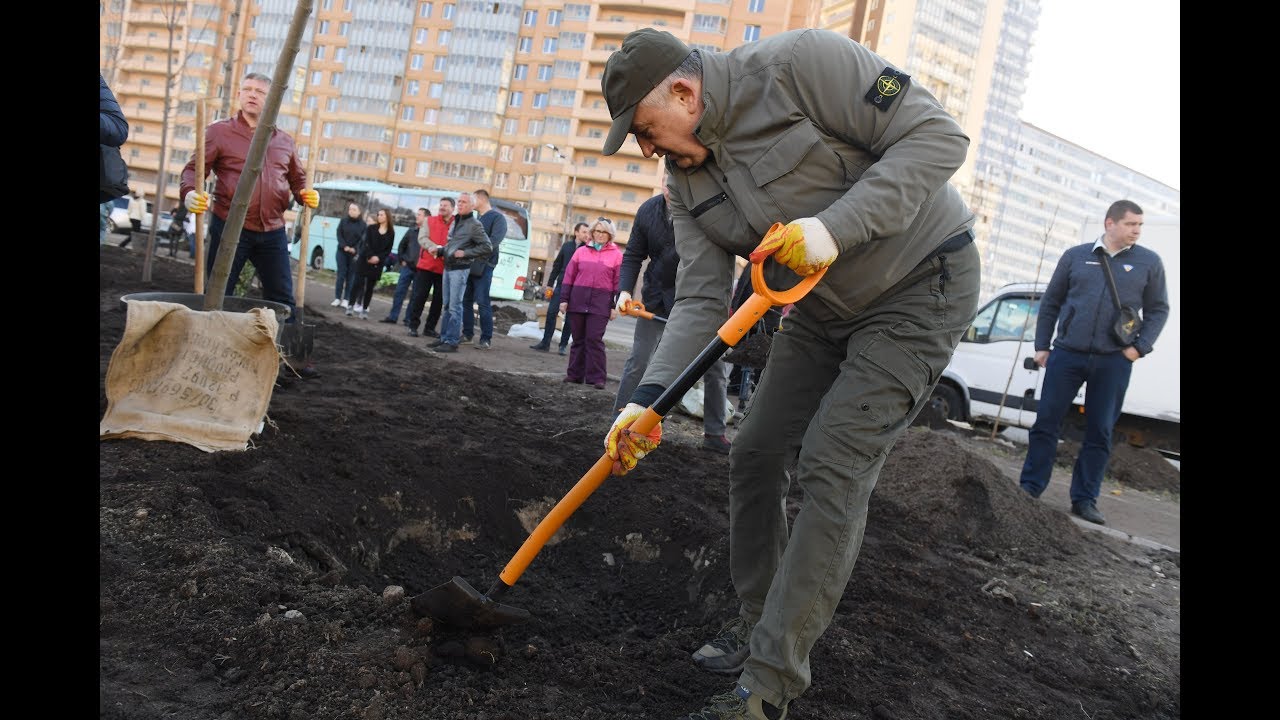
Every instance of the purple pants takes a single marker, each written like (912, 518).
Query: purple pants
(587, 361)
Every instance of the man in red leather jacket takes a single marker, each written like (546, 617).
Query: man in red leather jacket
(263, 240)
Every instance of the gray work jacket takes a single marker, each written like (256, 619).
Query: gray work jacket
(795, 130)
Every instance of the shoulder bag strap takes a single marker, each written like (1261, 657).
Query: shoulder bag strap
(1111, 280)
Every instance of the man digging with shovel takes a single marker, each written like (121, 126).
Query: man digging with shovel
(814, 131)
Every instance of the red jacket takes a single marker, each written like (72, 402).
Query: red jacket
(438, 231)
(226, 145)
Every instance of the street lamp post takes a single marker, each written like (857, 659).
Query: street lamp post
(568, 201)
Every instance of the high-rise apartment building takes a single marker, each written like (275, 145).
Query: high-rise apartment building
(506, 95)
(1053, 188)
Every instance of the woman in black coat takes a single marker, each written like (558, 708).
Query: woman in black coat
(378, 239)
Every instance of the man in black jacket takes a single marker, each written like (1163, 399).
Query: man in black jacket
(350, 234)
(581, 234)
(653, 236)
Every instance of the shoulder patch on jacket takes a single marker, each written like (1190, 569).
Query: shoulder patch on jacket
(887, 88)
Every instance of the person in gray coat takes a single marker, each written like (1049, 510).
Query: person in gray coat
(853, 161)
(467, 242)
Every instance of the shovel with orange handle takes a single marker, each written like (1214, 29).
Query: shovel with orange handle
(458, 603)
(636, 308)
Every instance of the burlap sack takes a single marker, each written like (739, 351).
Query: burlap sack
(199, 377)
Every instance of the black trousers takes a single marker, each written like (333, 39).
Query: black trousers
(426, 283)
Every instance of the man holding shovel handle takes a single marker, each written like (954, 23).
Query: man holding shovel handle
(811, 129)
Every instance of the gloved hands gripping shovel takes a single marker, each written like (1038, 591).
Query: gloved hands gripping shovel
(638, 431)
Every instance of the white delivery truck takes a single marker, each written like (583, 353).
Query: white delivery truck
(993, 375)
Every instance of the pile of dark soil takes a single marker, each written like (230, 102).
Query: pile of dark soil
(267, 583)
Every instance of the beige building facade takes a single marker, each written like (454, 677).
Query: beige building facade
(506, 95)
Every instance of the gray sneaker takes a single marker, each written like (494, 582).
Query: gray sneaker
(728, 652)
(482, 345)
(466, 340)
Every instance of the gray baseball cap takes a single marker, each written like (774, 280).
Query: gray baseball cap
(647, 57)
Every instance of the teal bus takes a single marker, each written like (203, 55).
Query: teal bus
(371, 195)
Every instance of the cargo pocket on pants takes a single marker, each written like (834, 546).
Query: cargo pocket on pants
(885, 386)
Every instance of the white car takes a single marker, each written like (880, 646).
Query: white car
(118, 219)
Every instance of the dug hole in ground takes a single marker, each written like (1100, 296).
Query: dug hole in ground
(273, 583)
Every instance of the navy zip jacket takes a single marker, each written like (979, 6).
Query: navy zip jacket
(1078, 300)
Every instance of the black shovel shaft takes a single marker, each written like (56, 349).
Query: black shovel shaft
(696, 369)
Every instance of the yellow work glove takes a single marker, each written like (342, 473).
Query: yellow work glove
(625, 447)
(804, 245)
(310, 198)
(196, 201)
(624, 297)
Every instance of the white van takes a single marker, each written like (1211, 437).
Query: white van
(993, 373)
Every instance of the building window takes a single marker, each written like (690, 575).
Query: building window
(525, 45)
(316, 77)
(335, 79)
(406, 113)
(397, 166)
(327, 130)
(448, 11)
(751, 33)
(431, 116)
(553, 18)
(420, 36)
(563, 98)
(425, 142)
(440, 63)
(521, 72)
(567, 68)
(544, 73)
(557, 126)
(516, 99)
(424, 10)
(530, 18)
(590, 161)
(504, 153)
(324, 28)
(422, 168)
(436, 89)
(756, 6)
(531, 154)
(577, 12)
(415, 62)
(628, 196)
(550, 45)
(443, 39)
(413, 88)
(633, 167)
(509, 126)
(340, 54)
(539, 101)
(319, 52)
(574, 40)
(709, 23)
(343, 28)
(500, 181)
(535, 129)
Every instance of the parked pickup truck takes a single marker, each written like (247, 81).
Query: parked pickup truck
(993, 375)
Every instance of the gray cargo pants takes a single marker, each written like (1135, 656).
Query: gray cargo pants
(839, 392)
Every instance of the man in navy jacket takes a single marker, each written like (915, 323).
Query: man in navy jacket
(1078, 301)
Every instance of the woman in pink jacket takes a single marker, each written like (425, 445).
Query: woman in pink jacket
(587, 295)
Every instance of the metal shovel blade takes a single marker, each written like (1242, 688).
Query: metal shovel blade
(298, 340)
(457, 603)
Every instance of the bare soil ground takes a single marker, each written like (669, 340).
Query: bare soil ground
(262, 584)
